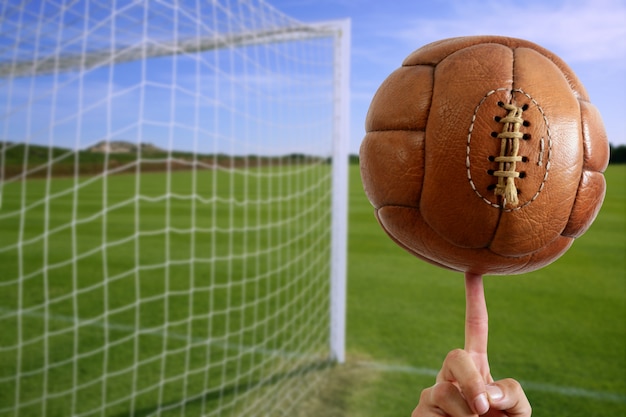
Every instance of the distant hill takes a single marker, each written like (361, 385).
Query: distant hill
(36, 161)
(120, 146)
(17, 153)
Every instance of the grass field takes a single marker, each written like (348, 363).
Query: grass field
(133, 313)
(163, 294)
(560, 330)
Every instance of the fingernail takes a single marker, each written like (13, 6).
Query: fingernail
(494, 392)
(481, 403)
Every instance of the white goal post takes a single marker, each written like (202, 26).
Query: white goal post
(173, 207)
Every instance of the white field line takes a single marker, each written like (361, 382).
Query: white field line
(157, 332)
(528, 385)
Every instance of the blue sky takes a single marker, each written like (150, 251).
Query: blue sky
(590, 35)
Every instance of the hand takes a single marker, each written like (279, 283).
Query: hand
(464, 386)
(461, 391)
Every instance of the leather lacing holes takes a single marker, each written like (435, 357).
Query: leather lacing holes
(508, 203)
(526, 137)
(492, 187)
(521, 176)
(524, 107)
(493, 159)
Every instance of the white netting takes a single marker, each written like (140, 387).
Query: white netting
(165, 207)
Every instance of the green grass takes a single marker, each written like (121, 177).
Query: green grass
(560, 330)
(190, 296)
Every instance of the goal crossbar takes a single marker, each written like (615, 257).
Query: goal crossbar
(150, 49)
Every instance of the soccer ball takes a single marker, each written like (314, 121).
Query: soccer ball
(483, 154)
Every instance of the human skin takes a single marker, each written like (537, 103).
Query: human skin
(464, 386)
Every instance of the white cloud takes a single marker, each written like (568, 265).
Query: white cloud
(576, 30)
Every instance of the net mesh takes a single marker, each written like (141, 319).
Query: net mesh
(165, 208)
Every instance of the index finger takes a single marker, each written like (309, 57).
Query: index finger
(476, 317)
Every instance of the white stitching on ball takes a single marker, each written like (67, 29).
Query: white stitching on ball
(547, 157)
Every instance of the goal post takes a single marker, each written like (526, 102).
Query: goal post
(173, 207)
(341, 135)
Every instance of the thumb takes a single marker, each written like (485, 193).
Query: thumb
(507, 395)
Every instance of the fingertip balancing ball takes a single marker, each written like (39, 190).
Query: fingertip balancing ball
(483, 154)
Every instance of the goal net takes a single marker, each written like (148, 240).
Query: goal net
(173, 180)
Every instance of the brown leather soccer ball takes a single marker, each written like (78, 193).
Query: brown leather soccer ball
(483, 154)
